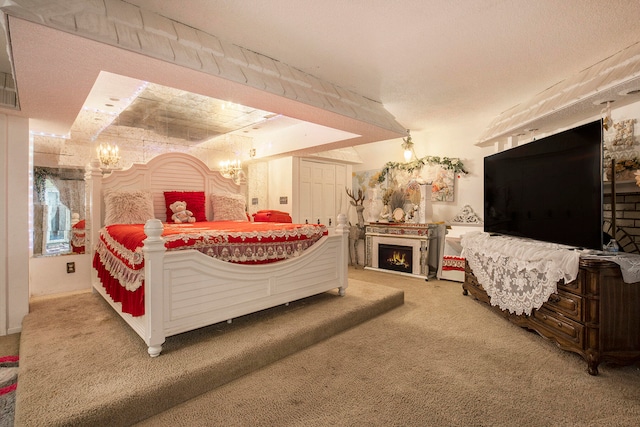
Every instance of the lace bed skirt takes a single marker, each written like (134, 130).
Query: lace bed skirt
(518, 275)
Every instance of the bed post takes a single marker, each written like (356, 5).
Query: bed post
(342, 229)
(93, 206)
(154, 250)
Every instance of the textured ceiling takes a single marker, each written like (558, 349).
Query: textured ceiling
(436, 66)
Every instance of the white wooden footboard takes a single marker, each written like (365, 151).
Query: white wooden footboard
(186, 290)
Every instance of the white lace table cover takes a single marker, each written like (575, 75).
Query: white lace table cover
(629, 265)
(518, 275)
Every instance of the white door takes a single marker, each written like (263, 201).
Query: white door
(321, 188)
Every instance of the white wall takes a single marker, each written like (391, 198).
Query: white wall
(14, 223)
(48, 275)
(451, 143)
(281, 181)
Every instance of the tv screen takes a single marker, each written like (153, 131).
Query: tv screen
(549, 189)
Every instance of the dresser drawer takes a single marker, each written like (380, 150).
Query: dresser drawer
(566, 303)
(564, 330)
(576, 286)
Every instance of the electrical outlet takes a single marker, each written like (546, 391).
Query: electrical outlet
(71, 267)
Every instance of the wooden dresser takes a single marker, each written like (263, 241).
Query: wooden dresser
(597, 315)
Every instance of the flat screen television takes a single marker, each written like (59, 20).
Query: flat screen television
(549, 189)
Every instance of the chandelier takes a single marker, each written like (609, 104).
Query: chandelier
(108, 154)
(231, 169)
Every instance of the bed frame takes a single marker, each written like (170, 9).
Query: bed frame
(186, 290)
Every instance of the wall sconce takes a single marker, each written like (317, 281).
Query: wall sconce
(407, 146)
(108, 154)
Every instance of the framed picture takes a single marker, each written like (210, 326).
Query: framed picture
(442, 189)
(365, 179)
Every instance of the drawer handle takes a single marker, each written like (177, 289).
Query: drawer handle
(544, 317)
(554, 298)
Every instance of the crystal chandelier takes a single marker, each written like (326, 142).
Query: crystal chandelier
(108, 154)
(231, 168)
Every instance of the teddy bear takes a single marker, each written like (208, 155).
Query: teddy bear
(181, 213)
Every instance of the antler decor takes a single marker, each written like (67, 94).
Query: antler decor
(356, 201)
(356, 232)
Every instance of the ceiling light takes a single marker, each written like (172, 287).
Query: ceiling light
(108, 154)
(407, 146)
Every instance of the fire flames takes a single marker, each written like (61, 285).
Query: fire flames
(399, 259)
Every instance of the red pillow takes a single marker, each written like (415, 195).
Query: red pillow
(195, 203)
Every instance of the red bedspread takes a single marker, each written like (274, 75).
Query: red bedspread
(119, 259)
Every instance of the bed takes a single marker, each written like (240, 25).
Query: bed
(165, 278)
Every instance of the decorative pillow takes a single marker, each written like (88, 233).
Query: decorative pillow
(128, 207)
(196, 203)
(228, 207)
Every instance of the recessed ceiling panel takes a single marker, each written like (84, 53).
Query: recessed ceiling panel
(173, 113)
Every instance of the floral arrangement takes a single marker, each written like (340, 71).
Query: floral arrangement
(445, 162)
(386, 196)
(396, 200)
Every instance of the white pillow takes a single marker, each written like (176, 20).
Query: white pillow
(128, 207)
(228, 207)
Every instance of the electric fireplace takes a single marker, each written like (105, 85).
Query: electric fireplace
(400, 248)
(398, 255)
(395, 258)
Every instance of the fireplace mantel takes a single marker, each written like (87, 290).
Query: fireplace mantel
(423, 239)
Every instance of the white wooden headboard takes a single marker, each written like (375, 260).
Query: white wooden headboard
(167, 172)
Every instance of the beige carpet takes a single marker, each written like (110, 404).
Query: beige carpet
(80, 364)
(442, 359)
(10, 345)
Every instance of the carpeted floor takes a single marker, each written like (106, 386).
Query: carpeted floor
(80, 364)
(442, 359)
